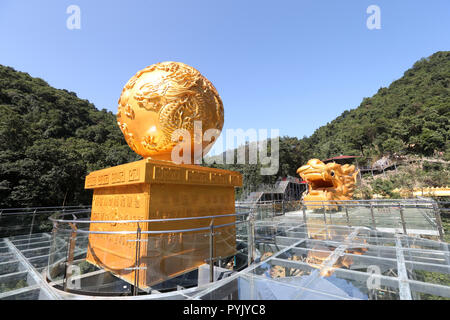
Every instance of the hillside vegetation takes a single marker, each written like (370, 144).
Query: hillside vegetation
(410, 116)
(50, 139)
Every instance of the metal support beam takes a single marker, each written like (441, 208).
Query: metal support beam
(211, 251)
(402, 217)
(304, 213)
(405, 290)
(374, 224)
(437, 215)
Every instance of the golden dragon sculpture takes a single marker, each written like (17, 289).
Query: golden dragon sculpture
(328, 182)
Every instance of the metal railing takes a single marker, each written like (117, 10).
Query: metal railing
(75, 224)
(22, 221)
(72, 229)
(19, 221)
(410, 215)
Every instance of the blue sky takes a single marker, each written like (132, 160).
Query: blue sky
(288, 65)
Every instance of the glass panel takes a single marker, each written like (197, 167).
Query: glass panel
(13, 224)
(7, 257)
(9, 267)
(13, 281)
(33, 244)
(33, 294)
(4, 250)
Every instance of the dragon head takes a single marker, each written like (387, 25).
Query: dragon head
(319, 174)
(338, 179)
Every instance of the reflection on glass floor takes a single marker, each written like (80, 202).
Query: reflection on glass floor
(318, 261)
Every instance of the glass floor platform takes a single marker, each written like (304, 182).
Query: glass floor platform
(296, 259)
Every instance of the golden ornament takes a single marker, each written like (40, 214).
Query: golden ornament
(165, 97)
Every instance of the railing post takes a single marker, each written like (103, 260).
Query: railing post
(402, 217)
(304, 211)
(211, 251)
(32, 223)
(250, 240)
(273, 209)
(374, 225)
(437, 215)
(137, 260)
(346, 215)
(70, 254)
(1, 233)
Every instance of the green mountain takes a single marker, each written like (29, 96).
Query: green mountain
(49, 140)
(411, 116)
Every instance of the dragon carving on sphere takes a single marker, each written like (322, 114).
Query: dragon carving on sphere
(162, 98)
(328, 182)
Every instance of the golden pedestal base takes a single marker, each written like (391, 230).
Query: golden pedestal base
(154, 189)
(320, 199)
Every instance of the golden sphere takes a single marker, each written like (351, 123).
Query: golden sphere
(162, 98)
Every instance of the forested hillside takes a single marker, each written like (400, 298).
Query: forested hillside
(50, 139)
(411, 116)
